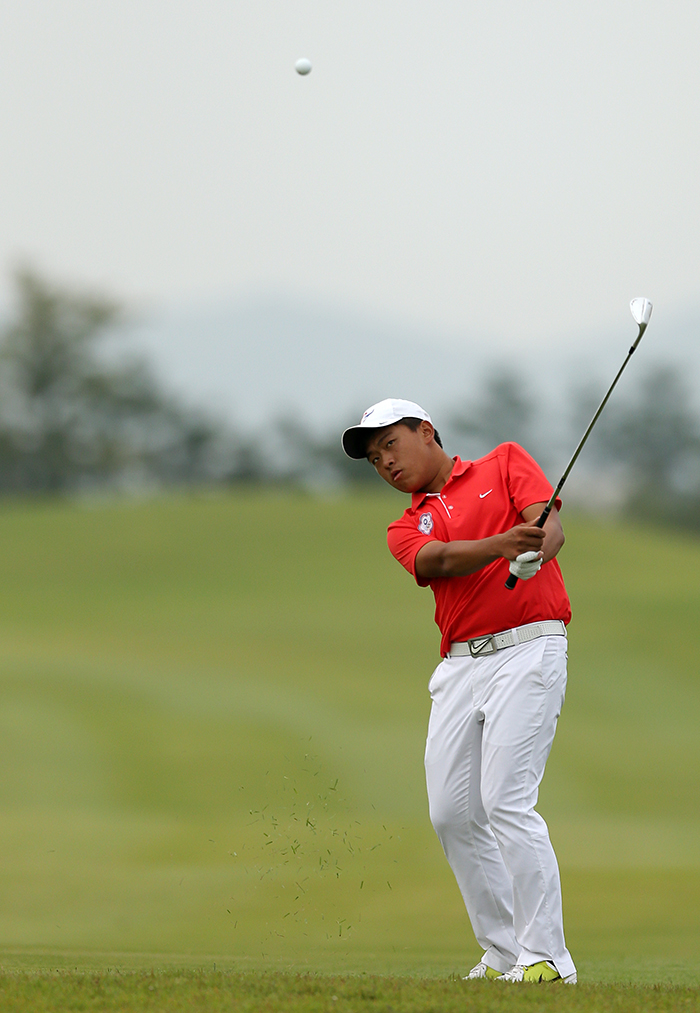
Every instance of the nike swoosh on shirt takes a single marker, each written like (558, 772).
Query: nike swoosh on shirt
(482, 494)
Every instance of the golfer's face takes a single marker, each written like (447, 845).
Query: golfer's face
(400, 457)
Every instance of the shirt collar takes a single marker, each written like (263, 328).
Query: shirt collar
(459, 469)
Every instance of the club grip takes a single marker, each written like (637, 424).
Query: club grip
(539, 523)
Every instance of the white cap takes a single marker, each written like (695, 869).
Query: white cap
(384, 413)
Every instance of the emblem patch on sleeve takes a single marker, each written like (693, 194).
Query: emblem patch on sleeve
(425, 523)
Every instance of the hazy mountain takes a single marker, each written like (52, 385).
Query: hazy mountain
(252, 360)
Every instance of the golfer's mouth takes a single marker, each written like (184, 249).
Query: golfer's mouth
(396, 475)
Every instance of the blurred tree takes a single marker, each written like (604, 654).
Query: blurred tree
(652, 436)
(299, 456)
(656, 432)
(48, 384)
(502, 411)
(71, 418)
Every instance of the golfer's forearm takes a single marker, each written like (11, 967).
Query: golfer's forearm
(554, 539)
(553, 536)
(553, 531)
(457, 559)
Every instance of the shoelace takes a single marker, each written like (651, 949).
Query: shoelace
(516, 973)
(479, 971)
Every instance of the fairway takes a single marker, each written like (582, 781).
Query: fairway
(212, 719)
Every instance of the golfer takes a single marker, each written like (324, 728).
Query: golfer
(499, 689)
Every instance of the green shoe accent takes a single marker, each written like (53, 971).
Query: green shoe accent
(491, 974)
(543, 971)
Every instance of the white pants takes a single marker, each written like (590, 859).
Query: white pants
(491, 728)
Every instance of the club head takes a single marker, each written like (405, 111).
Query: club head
(641, 311)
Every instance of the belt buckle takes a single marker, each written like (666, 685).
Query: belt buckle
(482, 645)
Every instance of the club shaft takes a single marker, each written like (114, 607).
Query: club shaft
(540, 522)
(545, 513)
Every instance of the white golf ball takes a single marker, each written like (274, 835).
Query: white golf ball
(303, 66)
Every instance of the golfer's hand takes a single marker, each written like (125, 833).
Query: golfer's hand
(526, 565)
(522, 538)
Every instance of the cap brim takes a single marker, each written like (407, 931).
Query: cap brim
(354, 442)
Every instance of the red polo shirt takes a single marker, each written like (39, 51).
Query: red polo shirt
(480, 499)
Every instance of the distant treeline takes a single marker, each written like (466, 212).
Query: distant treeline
(77, 417)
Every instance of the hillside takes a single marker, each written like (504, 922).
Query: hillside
(212, 712)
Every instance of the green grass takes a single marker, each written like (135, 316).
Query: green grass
(212, 717)
(213, 990)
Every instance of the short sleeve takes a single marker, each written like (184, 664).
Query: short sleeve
(527, 483)
(405, 540)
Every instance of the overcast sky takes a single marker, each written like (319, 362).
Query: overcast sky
(505, 167)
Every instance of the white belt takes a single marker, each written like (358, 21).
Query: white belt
(493, 642)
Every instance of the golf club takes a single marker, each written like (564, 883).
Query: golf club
(641, 311)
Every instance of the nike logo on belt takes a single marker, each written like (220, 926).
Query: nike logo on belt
(482, 494)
